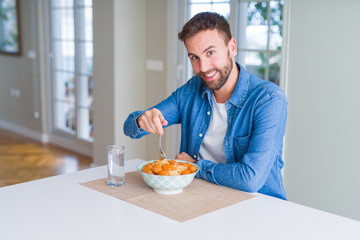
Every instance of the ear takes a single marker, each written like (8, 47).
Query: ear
(232, 47)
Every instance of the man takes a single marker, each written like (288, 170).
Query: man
(232, 123)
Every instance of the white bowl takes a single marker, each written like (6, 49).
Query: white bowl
(167, 184)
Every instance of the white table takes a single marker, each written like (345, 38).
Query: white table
(60, 208)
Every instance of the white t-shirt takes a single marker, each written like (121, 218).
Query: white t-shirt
(212, 147)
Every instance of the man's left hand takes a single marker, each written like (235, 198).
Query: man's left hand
(184, 157)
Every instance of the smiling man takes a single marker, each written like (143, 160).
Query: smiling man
(232, 122)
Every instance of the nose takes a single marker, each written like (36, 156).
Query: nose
(204, 65)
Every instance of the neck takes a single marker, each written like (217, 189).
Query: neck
(224, 93)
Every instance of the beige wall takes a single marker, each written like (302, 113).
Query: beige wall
(322, 160)
(21, 72)
(137, 34)
(156, 46)
(104, 74)
(126, 34)
(130, 74)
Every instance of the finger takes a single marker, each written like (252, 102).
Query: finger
(186, 157)
(140, 122)
(149, 122)
(153, 127)
(164, 122)
(158, 125)
(144, 123)
(181, 156)
(151, 116)
(162, 119)
(147, 126)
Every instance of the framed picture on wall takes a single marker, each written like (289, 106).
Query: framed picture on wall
(10, 27)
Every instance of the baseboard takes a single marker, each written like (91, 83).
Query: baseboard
(70, 145)
(24, 131)
(94, 165)
(46, 138)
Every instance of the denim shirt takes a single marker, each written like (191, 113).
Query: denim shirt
(256, 113)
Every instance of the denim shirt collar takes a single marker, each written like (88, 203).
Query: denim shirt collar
(205, 91)
(239, 95)
(242, 86)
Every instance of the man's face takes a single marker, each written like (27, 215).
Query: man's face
(210, 58)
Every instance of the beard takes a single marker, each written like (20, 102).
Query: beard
(224, 74)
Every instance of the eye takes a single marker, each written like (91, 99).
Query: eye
(209, 53)
(193, 58)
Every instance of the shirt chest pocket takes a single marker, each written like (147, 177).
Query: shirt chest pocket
(241, 145)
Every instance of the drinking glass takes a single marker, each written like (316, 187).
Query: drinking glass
(115, 165)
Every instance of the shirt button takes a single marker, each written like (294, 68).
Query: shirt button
(200, 135)
(194, 156)
(208, 113)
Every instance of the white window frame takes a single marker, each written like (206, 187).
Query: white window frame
(58, 136)
(183, 64)
(177, 12)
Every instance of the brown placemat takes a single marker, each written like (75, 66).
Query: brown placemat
(199, 198)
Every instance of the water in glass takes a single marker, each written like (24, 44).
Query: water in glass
(116, 165)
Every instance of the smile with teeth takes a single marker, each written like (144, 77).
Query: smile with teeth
(209, 75)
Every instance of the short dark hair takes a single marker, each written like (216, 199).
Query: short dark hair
(206, 21)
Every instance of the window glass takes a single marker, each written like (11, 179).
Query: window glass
(260, 37)
(64, 86)
(62, 3)
(65, 118)
(72, 67)
(259, 33)
(276, 25)
(255, 63)
(197, 6)
(85, 50)
(64, 55)
(257, 26)
(63, 24)
(88, 24)
(221, 7)
(85, 92)
(274, 67)
(86, 130)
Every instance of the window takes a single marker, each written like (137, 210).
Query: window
(259, 37)
(221, 6)
(259, 28)
(72, 67)
(196, 6)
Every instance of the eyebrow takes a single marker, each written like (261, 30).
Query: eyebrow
(205, 50)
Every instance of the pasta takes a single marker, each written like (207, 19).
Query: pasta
(169, 168)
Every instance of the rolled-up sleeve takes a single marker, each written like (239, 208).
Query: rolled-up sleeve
(168, 107)
(131, 128)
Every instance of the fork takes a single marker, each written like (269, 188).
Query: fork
(162, 153)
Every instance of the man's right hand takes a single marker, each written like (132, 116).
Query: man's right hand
(152, 121)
